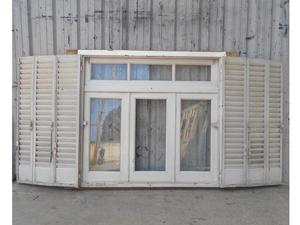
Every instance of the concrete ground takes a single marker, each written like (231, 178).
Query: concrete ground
(33, 205)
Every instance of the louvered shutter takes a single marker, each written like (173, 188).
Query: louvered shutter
(252, 122)
(275, 122)
(67, 120)
(234, 121)
(256, 121)
(43, 119)
(48, 126)
(25, 119)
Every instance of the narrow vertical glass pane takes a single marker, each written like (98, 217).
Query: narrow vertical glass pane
(151, 72)
(105, 134)
(193, 73)
(195, 135)
(109, 72)
(150, 135)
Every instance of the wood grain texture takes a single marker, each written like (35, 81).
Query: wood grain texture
(139, 24)
(188, 25)
(66, 25)
(163, 25)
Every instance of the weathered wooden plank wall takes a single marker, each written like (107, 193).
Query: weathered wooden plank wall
(255, 28)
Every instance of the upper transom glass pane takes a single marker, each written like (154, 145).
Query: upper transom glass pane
(151, 72)
(109, 72)
(192, 73)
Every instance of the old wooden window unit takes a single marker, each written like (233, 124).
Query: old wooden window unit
(135, 118)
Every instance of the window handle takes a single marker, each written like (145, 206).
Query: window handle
(215, 124)
(85, 123)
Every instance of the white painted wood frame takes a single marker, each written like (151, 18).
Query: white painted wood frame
(154, 176)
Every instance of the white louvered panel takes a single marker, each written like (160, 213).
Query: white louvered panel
(44, 111)
(25, 124)
(234, 122)
(256, 139)
(257, 72)
(67, 119)
(275, 122)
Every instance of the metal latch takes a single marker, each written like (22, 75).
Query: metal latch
(85, 123)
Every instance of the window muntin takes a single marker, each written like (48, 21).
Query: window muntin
(150, 135)
(105, 134)
(150, 72)
(108, 71)
(193, 73)
(195, 135)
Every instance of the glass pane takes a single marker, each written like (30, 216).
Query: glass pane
(192, 73)
(151, 72)
(150, 135)
(195, 135)
(105, 134)
(109, 72)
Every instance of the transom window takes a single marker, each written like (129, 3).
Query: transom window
(104, 71)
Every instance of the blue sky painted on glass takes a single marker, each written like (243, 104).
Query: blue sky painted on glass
(109, 72)
(108, 105)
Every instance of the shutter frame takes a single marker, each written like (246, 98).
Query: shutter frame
(235, 77)
(275, 172)
(268, 173)
(43, 120)
(41, 96)
(68, 176)
(24, 172)
(256, 151)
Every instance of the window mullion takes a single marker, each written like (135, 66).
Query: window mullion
(128, 71)
(173, 72)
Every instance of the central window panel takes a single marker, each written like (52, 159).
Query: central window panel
(152, 132)
(150, 135)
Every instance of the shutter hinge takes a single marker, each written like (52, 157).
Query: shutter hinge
(215, 124)
(31, 125)
(246, 151)
(17, 149)
(51, 156)
(220, 176)
(51, 142)
(281, 127)
(15, 85)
